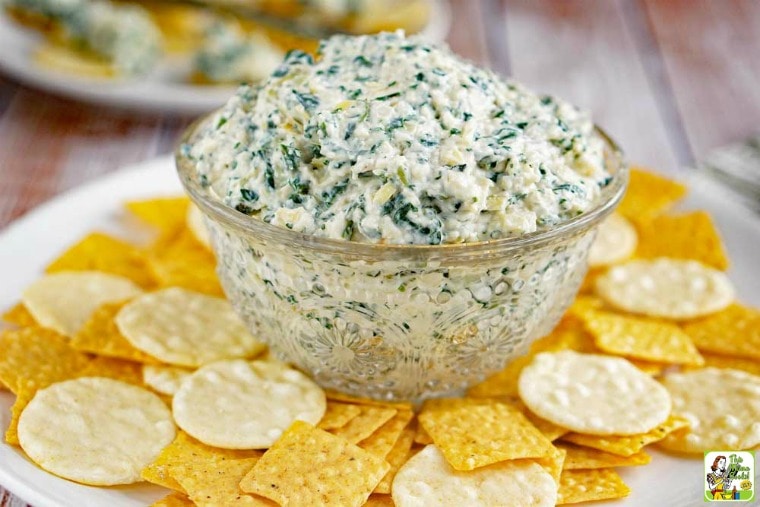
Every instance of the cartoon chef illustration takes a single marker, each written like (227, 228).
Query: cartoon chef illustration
(717, 479)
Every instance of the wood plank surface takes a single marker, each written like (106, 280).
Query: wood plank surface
(711, 49)
(669, 79)
(584, 51)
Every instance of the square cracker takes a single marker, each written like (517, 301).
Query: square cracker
(101, 252)
(37, 357)
(577, 486)
(365, 424)
(177, 259)
(187, 451)
(685, 236)
(163, 213)
(384, 438)
(579, 457)
(216, 482)
(175, 499)
(309, 466)
(473, 433)
(649, 195)
(734, 331)
(627, 445)
(338, 415)
(100, 336)
(19, 316)
(399, 455)
(640, 338)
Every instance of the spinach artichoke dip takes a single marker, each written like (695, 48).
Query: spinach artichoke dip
(388, 139)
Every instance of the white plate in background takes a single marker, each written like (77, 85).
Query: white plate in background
(164, 89)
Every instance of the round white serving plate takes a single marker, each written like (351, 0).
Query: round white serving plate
(163, 90)
(30, 243)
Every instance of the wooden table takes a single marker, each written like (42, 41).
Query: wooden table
(670, 80)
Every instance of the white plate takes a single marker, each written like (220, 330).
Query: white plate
(36, 239)
(163, 89)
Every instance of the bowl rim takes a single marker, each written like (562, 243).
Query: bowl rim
(216, 210)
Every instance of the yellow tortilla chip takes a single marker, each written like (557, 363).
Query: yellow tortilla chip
(396, 458)
(627, 445)
(216, 483)
(734, 331)
(178, 260)
(338, 415)
(347, 398)
(19, 316)
(23, 397)
(649, 367)
(649, 195)
(365, 424)
(640, 338)
(308, 466)
(473, 433)
(100, 336)
(117, 369)
(38, 357)
(687, 236)
(583, 458)
(376, 500)
(577, 486)
(384, 438)
(101, 252)
(187, 451)
(553, 463)
(421, 436)
(504, 383)
(175, 499)
(166, 214)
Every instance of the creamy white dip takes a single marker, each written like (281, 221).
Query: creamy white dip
(389, 139)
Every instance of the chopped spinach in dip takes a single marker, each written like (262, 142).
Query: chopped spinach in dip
(390, 139)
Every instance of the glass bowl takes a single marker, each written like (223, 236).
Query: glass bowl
(398, 322)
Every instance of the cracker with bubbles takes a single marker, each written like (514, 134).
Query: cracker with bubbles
(164, 379)
(595, 394)
(245, 405)
(616, 241)
(64, 301)
(428, 479)
(186, 328)
(105, 431)
(722, 407)
(666, 288)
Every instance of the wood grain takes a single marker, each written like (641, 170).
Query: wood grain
(711, 49)
(583, 51)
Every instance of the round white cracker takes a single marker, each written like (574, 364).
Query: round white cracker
(164, 379)
(594, 394)
(668, 288)
(616, 240)
(185, 328)
(64, 301)
(722, 406)
(427, 479)
(95, 430)
(197, 226)
(245, 404)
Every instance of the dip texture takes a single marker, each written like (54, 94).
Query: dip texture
(389, 139)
